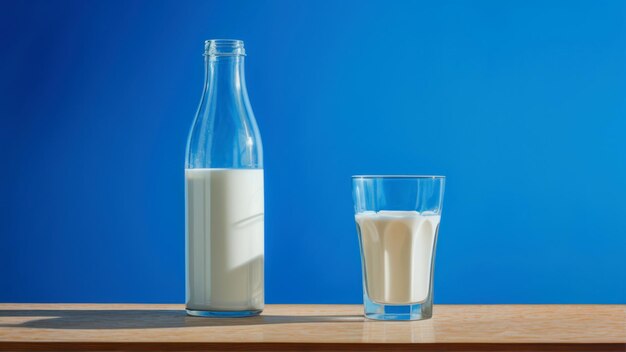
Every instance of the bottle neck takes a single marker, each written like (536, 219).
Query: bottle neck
(225, 76)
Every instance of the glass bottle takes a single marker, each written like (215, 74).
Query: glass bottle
(224, 193)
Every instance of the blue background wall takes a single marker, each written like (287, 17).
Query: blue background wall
(522, 104)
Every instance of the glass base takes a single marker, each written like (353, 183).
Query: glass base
(416, 311)
(223, 314)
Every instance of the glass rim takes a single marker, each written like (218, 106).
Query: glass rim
(224, 47)
(231, 42)
(400, 176)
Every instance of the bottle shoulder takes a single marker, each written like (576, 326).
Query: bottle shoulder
(225, 137)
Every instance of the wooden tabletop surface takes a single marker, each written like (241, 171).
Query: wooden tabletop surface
(312, 327)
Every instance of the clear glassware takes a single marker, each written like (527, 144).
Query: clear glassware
(397, 220)
(224, 193)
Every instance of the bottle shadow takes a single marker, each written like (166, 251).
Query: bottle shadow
(150, 319)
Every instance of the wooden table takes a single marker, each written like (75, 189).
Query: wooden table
(312, 327)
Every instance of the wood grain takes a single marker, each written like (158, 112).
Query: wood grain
(312, 327)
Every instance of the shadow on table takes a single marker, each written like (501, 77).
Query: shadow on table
(146, 319)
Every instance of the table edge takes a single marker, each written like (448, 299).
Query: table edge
(307, 346)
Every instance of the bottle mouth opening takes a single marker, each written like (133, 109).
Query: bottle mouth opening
(224, 47)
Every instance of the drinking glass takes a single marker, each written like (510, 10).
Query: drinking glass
(397, 219)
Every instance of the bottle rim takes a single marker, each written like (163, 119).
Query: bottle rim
(224, 47)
